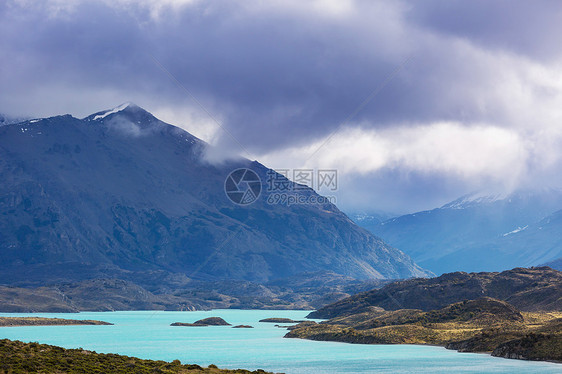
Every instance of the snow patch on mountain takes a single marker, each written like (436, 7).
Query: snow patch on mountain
(518, 229)
(112, 111)
(475, 199)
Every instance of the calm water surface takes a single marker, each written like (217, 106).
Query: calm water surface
(147, 334)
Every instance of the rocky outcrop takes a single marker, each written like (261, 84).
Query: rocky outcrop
(210, 321)
(527, 289)
(533, 346)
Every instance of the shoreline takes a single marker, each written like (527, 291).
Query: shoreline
(45, 321)
(488, 353)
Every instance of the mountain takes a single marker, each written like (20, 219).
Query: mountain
(121, 194)
(481, 232)
(534, 289)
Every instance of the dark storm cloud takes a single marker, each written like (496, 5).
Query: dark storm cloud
(286, 74)
(261, 68)
(530, 28)
(295, 74)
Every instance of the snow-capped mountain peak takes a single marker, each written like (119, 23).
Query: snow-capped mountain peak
(475, 198)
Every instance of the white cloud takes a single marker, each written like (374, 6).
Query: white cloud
(190, 119)
(466, 152)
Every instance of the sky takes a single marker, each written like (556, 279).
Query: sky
(414, 103)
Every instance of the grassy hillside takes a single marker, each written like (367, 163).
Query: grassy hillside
(482, 325)
(532, 289)
(17, 357)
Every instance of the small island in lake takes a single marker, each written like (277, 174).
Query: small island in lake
(41, 321)
(211, 321)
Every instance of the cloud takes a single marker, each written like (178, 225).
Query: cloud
(281, 76)
(472, 154)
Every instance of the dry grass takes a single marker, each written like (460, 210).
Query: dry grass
(539, 333)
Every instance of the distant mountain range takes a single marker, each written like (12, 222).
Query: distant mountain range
(121, 194)
(480, 232)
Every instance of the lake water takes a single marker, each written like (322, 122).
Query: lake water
(148, 335)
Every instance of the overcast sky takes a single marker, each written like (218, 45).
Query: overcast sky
(413, 102)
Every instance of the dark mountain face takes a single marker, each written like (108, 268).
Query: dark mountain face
(534, 289)
(121, 193)
(487, 233)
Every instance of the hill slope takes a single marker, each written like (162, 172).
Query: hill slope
(527, 289)
(19, 357)
(481, 325)
(121, 194)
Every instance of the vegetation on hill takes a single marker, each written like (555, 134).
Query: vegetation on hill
(482, 325)
(18, 357)
(532, 289)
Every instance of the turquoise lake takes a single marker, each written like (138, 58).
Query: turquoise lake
(147, 334)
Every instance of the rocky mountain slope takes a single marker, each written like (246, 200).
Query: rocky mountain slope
(117, 294)
(534, 289)
(120, 194)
